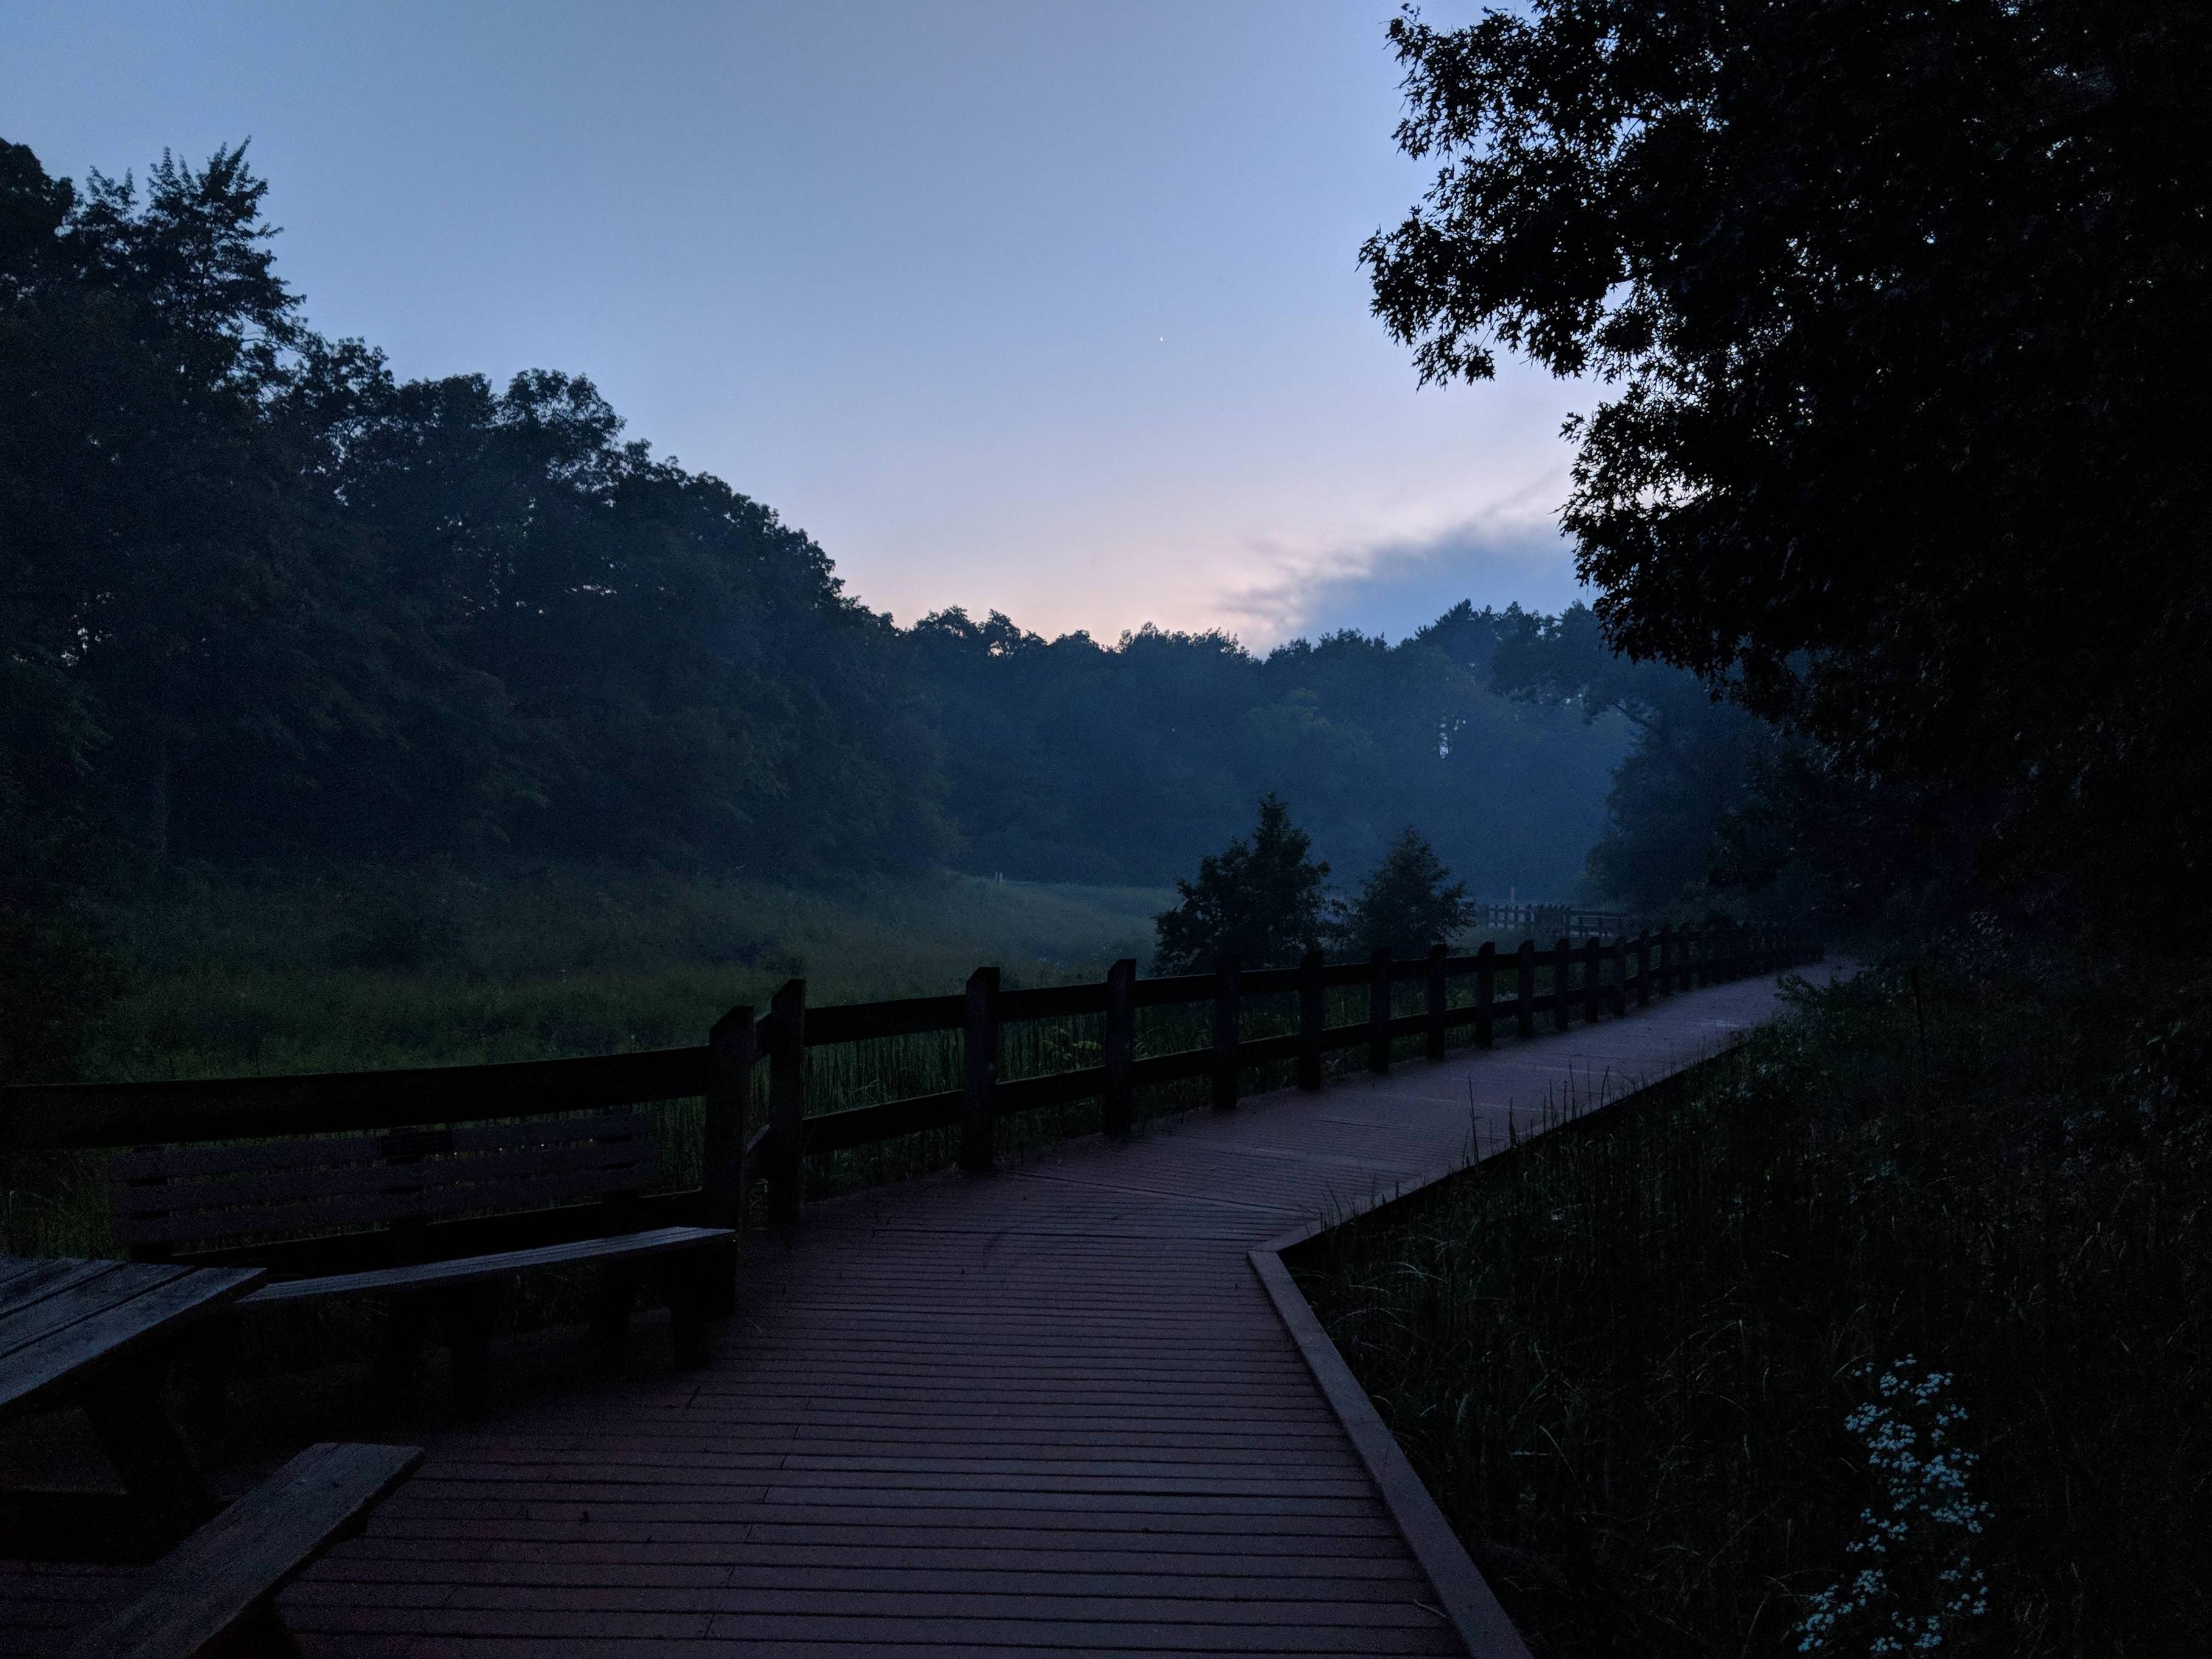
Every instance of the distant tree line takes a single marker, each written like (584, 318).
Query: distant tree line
(264, 600)
(261, 600)
(1072, 760)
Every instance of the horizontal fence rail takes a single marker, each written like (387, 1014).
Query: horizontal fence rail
(1516, 988)
(1543, 921)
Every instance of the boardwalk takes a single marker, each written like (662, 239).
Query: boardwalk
(1051, 1411)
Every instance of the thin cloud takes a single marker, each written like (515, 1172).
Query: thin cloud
(1395, 587)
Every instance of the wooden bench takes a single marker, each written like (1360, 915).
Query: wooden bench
(222, 1580)
(406, 1215)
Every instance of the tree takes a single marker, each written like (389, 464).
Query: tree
(1404, 903)
(1689, 767)
(1905, 311)
(1076, 760)
(1264, 901)
(257, 598)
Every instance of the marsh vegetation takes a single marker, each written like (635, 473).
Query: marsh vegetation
(1625, 1356)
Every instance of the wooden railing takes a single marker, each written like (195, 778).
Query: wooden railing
(1594, 977)
(1542, 920)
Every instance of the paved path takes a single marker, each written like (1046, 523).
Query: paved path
(1048, 1411)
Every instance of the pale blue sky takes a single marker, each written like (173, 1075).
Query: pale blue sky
(1049, 308)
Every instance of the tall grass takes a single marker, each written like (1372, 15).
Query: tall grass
(375, 968)
(1623, 1356)
(233, 975)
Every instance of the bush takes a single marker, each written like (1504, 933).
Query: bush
(1634, 1359)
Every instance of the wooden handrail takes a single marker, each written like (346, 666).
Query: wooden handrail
(101, 1114)
(41, 1117)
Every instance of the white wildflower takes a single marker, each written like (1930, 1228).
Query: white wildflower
(1921, 1581)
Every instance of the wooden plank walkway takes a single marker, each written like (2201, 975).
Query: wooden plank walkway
(1046, 1412)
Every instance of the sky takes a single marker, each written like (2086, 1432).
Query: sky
(1050, 308)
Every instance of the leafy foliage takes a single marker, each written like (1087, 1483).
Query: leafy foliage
(1689, 771)
(1264, 901)
(1404, 903)
(271, 600)
(1069, 758)
(1905, 309)
(263, 599)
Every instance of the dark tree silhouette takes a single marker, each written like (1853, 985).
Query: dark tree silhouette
(1264, 901)
(257, 596)
(1405, 903)
(1690, 768)
(1905, 311)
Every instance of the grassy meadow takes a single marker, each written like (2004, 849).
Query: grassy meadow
(375, 968)
(1917, 1284)
(235, 974)
(372, 968)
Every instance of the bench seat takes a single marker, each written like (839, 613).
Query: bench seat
(267, 1203)
(219, 1581)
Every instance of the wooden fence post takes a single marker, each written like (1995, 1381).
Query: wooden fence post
(729, 1056)
(1117, 1108)
(1312, 1011)
(1437, 1000)
(1378, 1011)
(1227, 1023)
(787, 1101)
(979, 1072)
(1563, 1001)
(1485, 989)
(1524, 1024)
(1619, 975)
(1593, 979)
(1644, 968)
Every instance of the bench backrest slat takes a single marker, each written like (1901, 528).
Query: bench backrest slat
(199, 1194)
